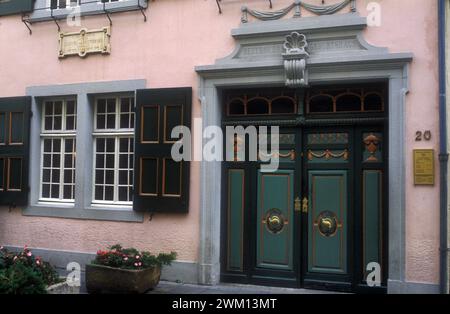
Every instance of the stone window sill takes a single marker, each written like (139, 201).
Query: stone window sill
(89, 213)
(41, 14)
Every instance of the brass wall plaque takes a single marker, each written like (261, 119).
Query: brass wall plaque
(85, 42)
(424, 167)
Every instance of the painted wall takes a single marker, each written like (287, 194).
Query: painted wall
(179, 35)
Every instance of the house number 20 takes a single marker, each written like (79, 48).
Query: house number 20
(421, 136)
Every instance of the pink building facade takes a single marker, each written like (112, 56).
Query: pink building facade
(188, 49)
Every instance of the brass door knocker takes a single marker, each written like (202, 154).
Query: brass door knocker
(274, 221)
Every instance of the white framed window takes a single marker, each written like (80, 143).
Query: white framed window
(58, 150)
(113, 150)
(109, 1)
(62, 4)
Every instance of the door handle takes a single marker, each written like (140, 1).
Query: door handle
(305, 205)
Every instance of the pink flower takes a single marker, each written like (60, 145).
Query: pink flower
(38, 262)
(125, 258)
(138, 257)
(29, 254)
(136, 264)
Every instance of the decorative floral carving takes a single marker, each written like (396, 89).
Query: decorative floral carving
(372, 141)
(327, 154)
(295, 43)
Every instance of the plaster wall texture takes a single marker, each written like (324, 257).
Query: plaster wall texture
(179, 35)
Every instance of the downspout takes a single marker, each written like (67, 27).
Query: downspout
(443, 154)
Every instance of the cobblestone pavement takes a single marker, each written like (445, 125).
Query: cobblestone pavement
(165, 287)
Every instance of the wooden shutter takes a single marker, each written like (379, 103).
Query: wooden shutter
(160, 184)
(14, 150)
(15, 6)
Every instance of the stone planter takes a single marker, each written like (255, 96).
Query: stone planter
(63, 288)
(103, 279)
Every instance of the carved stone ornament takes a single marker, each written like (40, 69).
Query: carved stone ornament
(295, 57)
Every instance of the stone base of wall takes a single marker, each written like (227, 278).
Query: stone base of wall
(400, 287)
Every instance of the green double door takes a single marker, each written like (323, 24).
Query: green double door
(317, 221)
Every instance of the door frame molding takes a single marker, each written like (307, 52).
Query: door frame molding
(370, 64)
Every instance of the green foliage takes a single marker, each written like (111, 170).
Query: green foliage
(24, 273)
(21, 279)
(130, 258)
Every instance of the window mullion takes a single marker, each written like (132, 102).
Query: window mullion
(61, 169)
(116, 169)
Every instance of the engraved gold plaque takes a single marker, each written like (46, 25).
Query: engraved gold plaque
(424, 167)
(85, 42)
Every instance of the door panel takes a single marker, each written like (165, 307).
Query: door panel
(235, 217)
(372, 214)
(327, 225)
(275, 218)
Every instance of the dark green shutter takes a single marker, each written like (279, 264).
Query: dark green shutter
(161, 184)
(8, 7)
(14, 150)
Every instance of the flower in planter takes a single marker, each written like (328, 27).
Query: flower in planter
(130, 258)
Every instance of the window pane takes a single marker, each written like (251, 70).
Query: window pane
(56, 145)
(110, 161)
(109, 176)
(56, 161)
(99, 193)
(123, 161)
(99, 161)
(55, 176)
(111, 121)
(47, 160)
(101, 142)
(47, 145)
(110, 145)
(46, 176)
(46, 190)
(68, 192)
(55, 191)
(101, 120)
(57, 108)
(101, 106)
(57, 123)
(123, 177)
(70, 123)
(70, 110)
(48, 125)
(109, 193)
(111, 105)
(124, 145)
(123, 194)
(68, 176)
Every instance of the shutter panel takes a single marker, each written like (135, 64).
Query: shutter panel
(14, 150)
(160, 183)
(15, 6)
